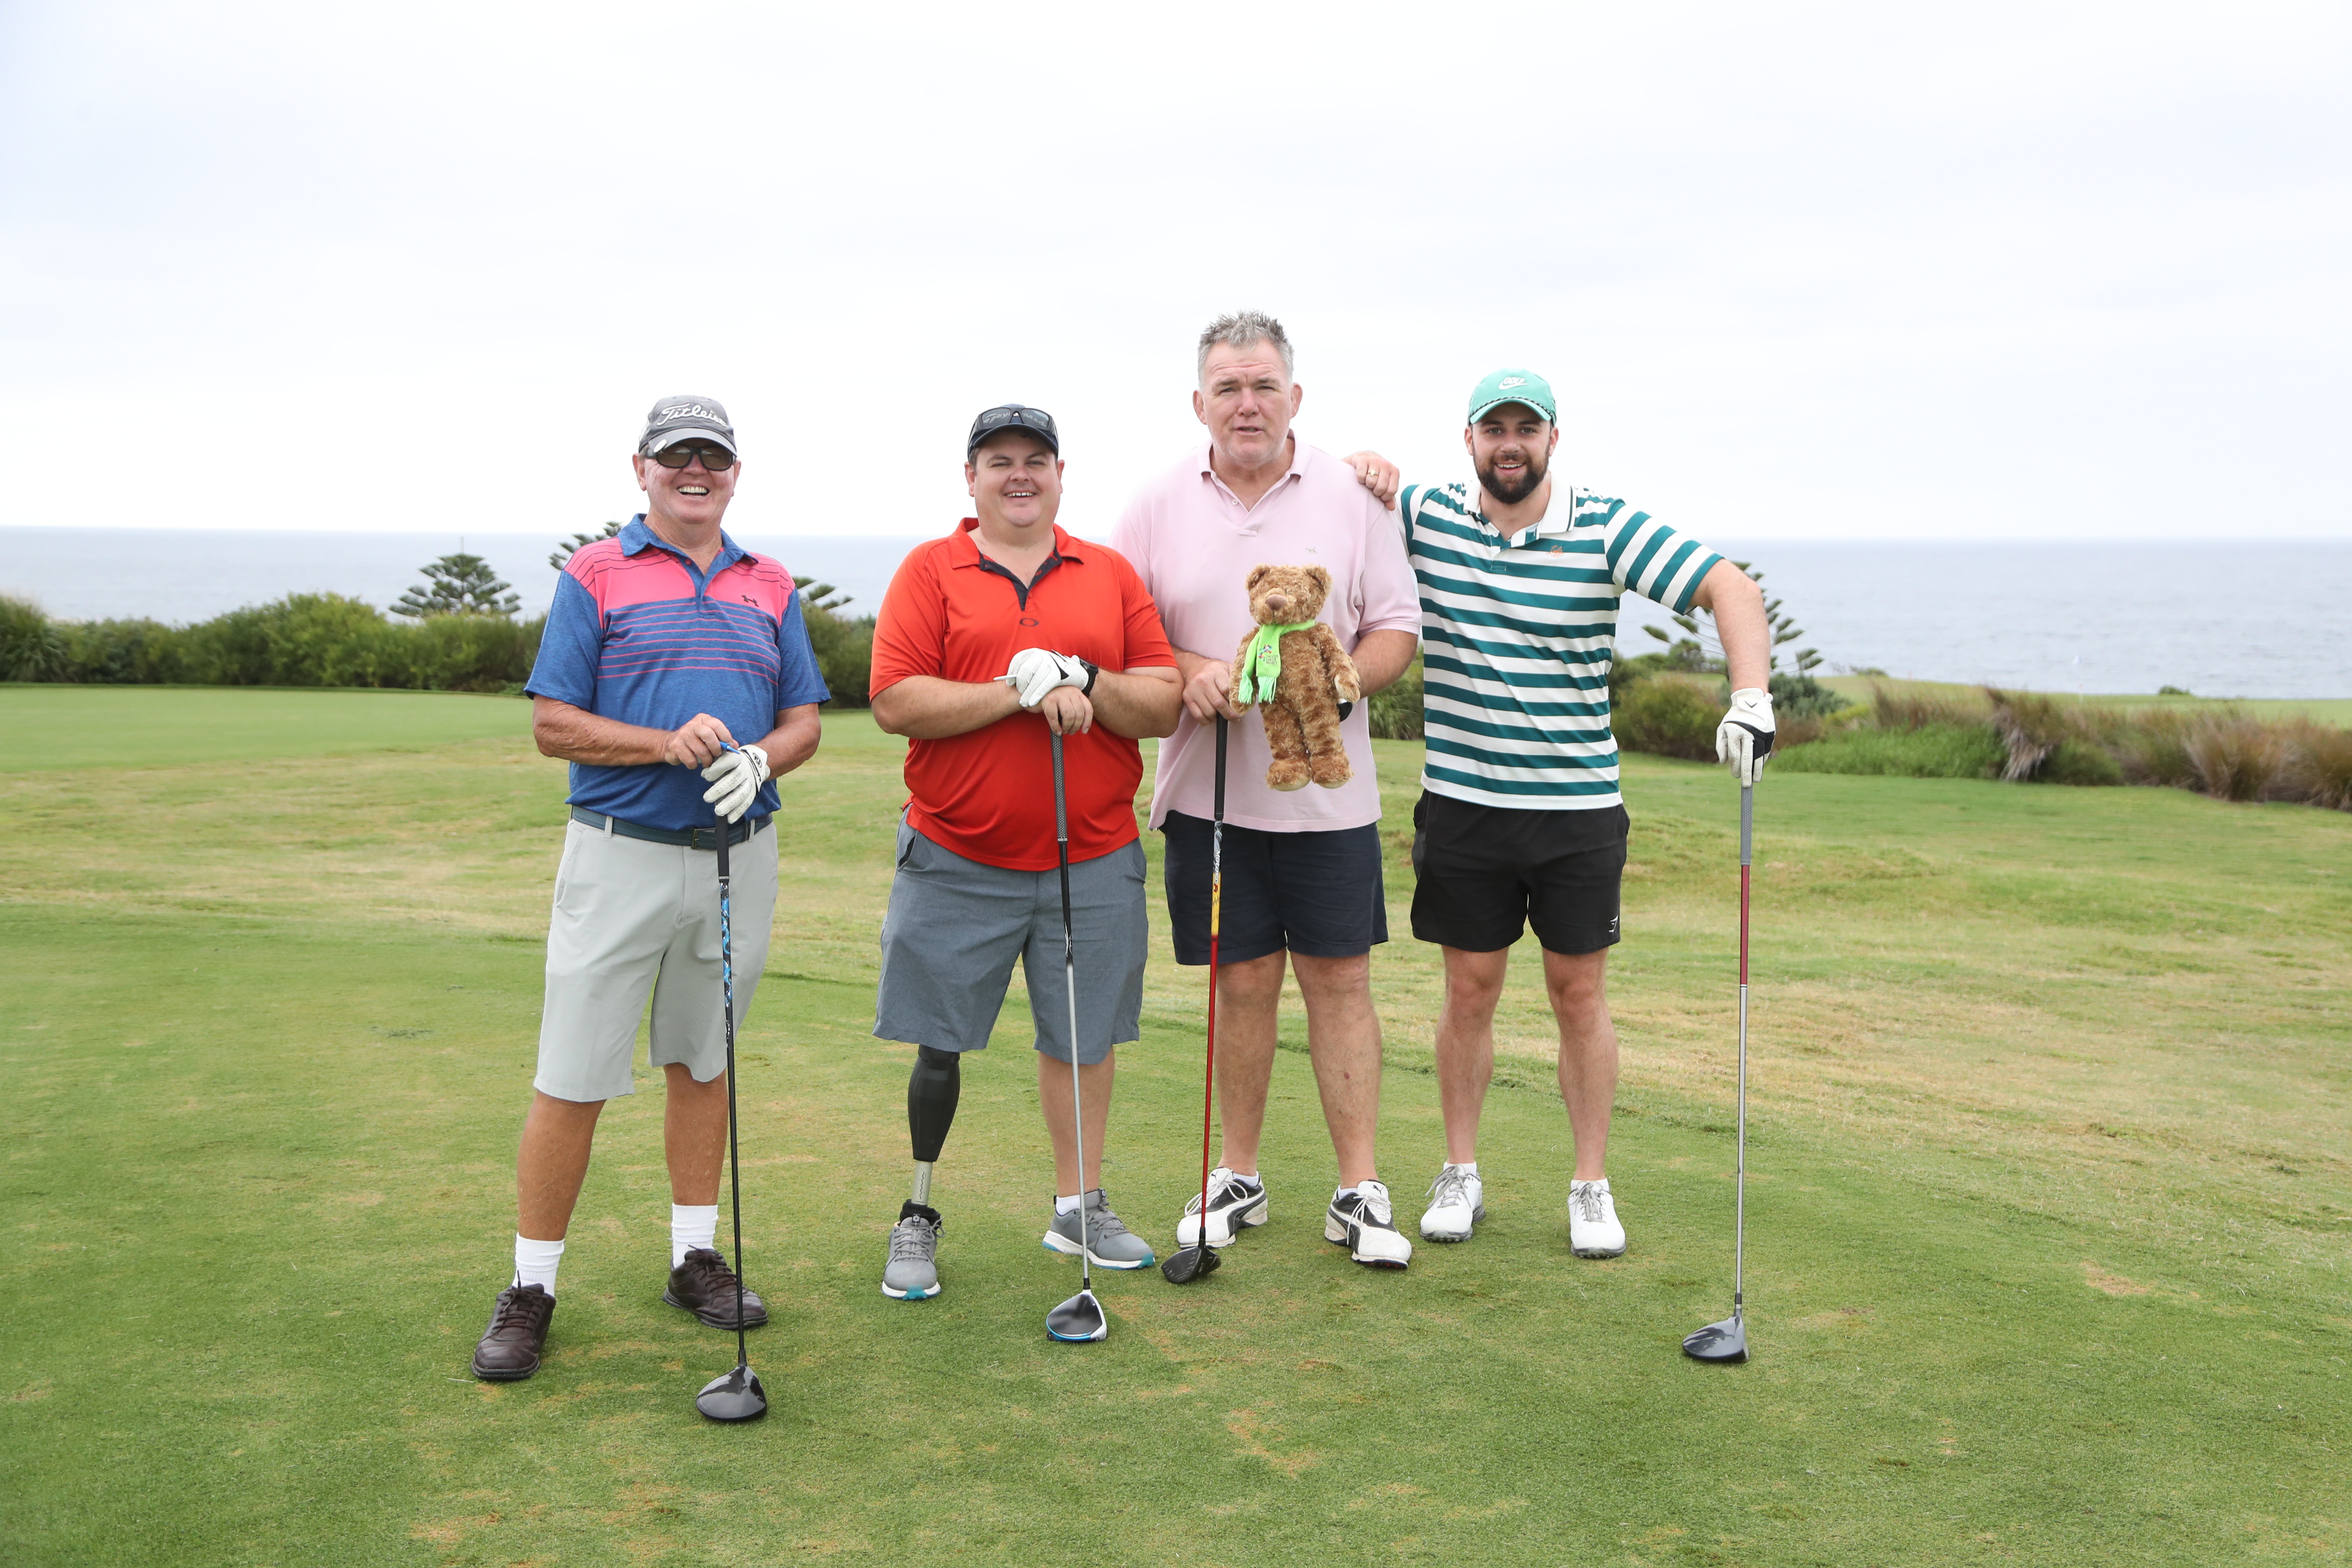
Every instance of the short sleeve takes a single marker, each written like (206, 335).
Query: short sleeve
(1648, 558)
(569, 647)
(799, 679)
(910, 634)
(1391, 597)
(1147, 639)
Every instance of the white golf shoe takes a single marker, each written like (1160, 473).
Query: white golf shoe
(1236, 1204)
(1365, 1223)
(1457, 1202)
(1593, 1227)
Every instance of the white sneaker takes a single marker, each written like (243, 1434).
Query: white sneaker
(1234, 1205)
(1593, 1227)
(1365, 1222)
(1457, 1201)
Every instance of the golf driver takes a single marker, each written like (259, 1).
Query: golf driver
(1728, 1341)
(1196, 1261)
(1080, 1319)
(737, 1397)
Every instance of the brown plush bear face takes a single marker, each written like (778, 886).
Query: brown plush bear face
(1287, 595)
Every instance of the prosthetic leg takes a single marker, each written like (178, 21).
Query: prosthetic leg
(932, 1089)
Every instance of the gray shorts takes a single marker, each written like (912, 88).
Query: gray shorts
(955, 926)
(632, 918)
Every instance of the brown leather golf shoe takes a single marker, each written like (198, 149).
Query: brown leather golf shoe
(704, 1286)
(516, 1336)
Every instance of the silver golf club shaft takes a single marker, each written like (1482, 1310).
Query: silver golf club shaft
(734, 1145)
(1070, 989)
(1740, 1178)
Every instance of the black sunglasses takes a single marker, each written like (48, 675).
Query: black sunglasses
(716, 458)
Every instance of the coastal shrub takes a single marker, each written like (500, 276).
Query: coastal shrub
(1396, 712)
(2323, 765)
(2236, 758)
(1667, 718)
(844, 652)
(123, 652)
(2079, 762)
(1930, 750)
(2152, 747)
(1800, 696)
(31, 647)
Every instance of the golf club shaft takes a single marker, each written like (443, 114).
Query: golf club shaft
(1740, 1178)
(734, 1148)
(1070, 988)
(1216, 904)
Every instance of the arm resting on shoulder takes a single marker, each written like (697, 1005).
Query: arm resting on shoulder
(1732, 597)
(1382, 657)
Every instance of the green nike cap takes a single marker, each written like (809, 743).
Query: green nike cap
(1514, 387)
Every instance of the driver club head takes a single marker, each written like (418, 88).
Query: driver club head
(1078, 1320)
(1723, 1341)
(1191, 1263)
(737, 1397)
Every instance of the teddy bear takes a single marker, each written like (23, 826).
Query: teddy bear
(1294, 667)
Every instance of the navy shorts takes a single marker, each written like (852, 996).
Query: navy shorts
(1483, 874)
(1314, 893)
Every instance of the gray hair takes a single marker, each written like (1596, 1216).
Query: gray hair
(1241, 329)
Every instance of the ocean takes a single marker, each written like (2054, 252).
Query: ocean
(2057, 616)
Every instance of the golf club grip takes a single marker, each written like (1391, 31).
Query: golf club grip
(1061, 805)
(1220, 768)
(721, 832)
(1746, 823)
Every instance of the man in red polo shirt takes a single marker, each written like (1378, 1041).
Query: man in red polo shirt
(990, 638)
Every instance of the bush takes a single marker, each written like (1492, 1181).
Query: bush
(1668, 718)
(1802, 696)
(2236, 758)
(1396, 712)
(31, 648)
(844, 653)
(2322, 773)
(1931, 750)
(2080, 762)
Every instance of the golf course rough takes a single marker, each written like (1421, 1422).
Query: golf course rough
(2049, 1199)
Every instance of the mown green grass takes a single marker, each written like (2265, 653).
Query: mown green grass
(158, 726)
(2048, 1207)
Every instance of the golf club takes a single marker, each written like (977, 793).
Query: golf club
(1728, 1341)
(1080, 1319)
(737, 1397)
(1200, 1259)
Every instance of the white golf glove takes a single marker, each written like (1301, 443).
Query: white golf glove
(1744, 739)
(1037, 670)
(736, 778)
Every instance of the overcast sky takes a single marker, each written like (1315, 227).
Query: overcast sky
(1796, 269)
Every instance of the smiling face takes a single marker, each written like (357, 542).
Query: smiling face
(1017, 485)
(1510, 446)
(693, 495)
(1247, 400)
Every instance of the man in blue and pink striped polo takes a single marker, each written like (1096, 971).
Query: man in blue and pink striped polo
(676, 678)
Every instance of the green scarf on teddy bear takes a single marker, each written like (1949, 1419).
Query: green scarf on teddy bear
(1262, 663)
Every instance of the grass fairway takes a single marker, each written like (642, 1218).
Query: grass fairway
(2049, 1205)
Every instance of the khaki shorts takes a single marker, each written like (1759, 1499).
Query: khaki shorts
(634, 919)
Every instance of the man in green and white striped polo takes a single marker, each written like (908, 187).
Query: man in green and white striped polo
(1519, 822)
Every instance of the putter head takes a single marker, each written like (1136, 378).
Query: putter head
(1723, 1341)
(1078, 1320)
(1191, 1263)
(737, 1397)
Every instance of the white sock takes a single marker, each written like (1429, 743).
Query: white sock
(536, 1262)
(1343, 1193)
(690, 1225)
(1468, 1167)
(1067, 1205)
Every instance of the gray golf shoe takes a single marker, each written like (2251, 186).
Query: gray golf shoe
(1108, 1242)
(913, 1272)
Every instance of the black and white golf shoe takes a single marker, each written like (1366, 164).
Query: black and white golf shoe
(1236, 1204)
(1364, 1222)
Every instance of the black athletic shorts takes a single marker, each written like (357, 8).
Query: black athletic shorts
(1315, 893)
(1484, 873)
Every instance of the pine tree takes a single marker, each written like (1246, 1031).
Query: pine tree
(459, 586)
(1700, 650)
(563, 552)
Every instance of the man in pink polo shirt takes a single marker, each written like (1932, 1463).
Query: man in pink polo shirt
(1302, 869)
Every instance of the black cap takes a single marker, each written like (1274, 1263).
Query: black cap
(686, 418)
(1013, 416)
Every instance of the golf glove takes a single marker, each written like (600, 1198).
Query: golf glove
(1744, 739)
(736, 778)
(1036, 670)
